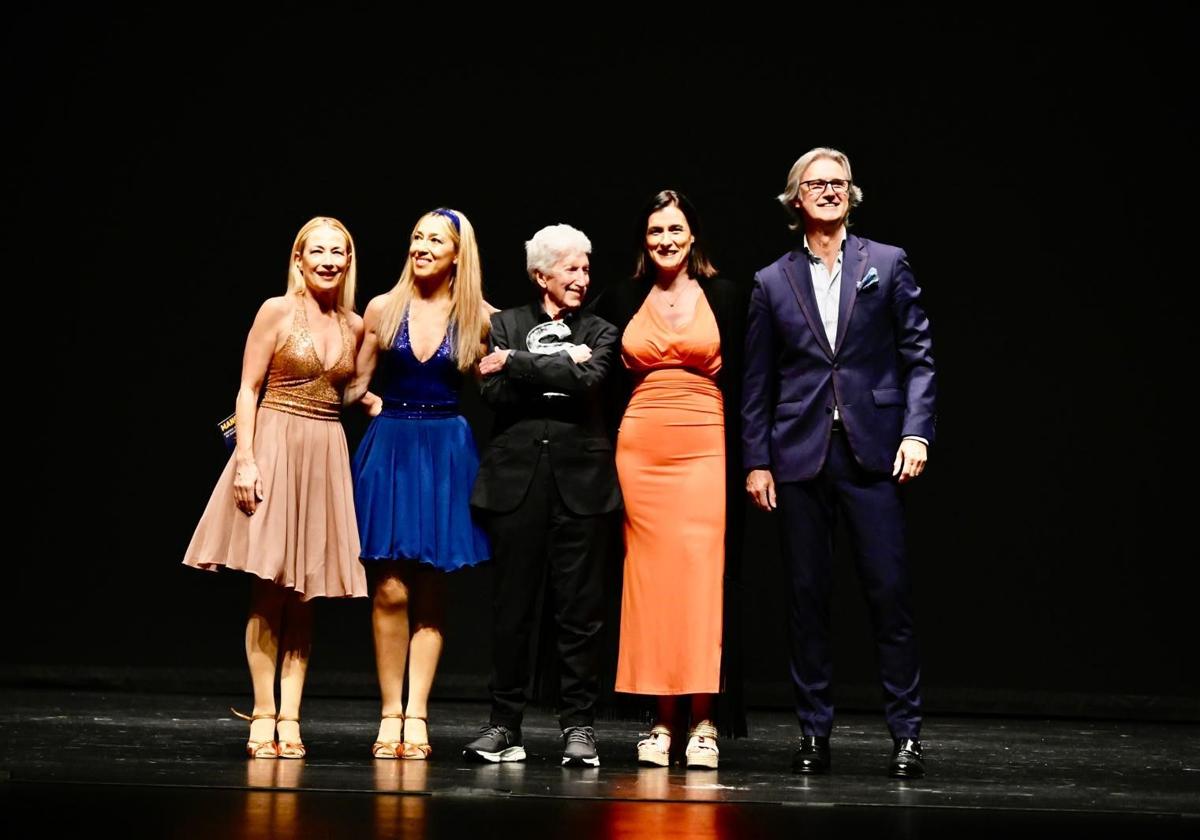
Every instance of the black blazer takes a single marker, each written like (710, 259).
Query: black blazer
(569, 428)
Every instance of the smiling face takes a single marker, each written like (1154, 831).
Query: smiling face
(432, 251)
(565, 285)
(323, 259)
(669, 239)
(822, 203)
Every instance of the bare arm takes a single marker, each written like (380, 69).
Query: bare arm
(368, 354)
(272, 319)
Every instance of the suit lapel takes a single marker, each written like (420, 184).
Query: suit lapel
(800, 279)
(854, 266)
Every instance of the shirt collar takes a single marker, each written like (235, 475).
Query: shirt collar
(808, 252)
(542, 315)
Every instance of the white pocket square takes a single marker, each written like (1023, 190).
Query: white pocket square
(871, 279)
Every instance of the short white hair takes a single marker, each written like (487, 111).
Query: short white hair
(551, 244)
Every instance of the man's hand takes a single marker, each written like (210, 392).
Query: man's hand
(910, 460)
(760, 485)
(580, 353)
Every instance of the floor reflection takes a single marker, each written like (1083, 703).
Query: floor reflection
(274, 809)
(658, 820)
(399, 775)
(505, 777)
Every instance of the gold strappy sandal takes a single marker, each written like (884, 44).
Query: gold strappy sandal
(389, 749)
(290, 749)
(418, 752)
(259, 749)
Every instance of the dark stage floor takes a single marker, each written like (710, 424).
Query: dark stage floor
(172, 766)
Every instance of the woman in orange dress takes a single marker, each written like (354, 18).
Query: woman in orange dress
(682, 327)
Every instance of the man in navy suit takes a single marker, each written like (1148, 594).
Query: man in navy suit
(838, 411)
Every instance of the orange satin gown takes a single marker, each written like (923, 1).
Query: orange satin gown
(671, 463)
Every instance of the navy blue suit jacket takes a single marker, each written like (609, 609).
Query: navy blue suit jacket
(879, 371)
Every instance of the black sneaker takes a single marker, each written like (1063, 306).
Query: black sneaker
(579, 747)
(495, 744)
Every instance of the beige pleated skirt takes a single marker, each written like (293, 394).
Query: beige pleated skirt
(303, 534)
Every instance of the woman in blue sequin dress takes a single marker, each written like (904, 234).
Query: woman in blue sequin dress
(416, 465)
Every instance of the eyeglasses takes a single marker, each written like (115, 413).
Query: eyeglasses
(818, 185)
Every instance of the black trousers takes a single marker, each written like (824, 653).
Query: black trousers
(541, 538)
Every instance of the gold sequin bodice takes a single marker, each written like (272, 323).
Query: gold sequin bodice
(299, 383)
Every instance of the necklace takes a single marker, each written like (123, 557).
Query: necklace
(671, 303)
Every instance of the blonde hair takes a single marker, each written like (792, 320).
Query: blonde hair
(467, 317)
(349, 278)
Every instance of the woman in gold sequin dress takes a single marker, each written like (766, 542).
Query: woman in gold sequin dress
(283, 508)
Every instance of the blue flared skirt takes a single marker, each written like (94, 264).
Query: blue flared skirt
(412, 492)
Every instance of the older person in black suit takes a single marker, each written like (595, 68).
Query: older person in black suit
(545, 487)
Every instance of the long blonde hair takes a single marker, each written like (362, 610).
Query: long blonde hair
(349, 280)
(467, 317)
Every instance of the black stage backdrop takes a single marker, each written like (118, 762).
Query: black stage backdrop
(1039, 177)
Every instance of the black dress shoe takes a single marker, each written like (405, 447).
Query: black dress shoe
(812, 757)
(906, 759)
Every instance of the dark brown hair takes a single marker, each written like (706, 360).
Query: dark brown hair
(698, 262)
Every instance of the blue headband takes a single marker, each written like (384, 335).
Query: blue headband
(449, 214)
